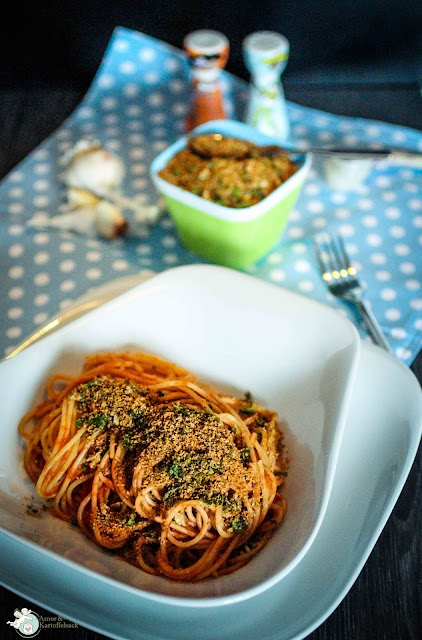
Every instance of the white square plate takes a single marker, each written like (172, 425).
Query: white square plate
(380, 441)
(296, 356)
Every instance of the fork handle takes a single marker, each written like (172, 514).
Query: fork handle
(372, 324)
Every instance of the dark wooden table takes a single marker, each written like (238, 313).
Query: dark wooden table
(385, 602)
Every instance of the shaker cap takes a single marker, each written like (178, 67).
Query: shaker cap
(267, 43)
(206, 42)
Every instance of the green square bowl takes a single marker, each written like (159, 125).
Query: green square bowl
(231, 237)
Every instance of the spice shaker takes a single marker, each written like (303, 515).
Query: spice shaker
(266, 54)
(208, 52)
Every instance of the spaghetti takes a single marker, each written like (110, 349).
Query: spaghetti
(180, 479)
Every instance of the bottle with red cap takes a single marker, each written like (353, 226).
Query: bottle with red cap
(207, 52)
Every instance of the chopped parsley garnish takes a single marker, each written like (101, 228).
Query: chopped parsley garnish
(229, 503)
(175, 471)
(215, 466)
(245, 454)
(99, 420)
(236, 192)
(181, 408)
(249, 407)
(239, 525)
(127, 441)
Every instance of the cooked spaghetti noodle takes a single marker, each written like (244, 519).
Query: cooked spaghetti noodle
(182, 480)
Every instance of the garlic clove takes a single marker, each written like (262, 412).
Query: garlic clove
(109, 220)
(103, 219)
(82, 220)
(77, 198)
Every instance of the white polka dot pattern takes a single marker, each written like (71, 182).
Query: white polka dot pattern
(136, 107)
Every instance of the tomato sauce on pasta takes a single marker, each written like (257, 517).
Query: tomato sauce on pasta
(180, 479)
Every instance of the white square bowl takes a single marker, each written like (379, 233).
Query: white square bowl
(298, 357)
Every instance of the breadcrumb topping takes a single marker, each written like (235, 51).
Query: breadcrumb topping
(228, 171)
(187, 453)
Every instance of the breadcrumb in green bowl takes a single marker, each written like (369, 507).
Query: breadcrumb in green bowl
(238, 235)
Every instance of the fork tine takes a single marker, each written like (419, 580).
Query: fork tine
(344, 257)
(341, 259)
(351, 270)
(333, 257)
(318, 241)
(327, 255)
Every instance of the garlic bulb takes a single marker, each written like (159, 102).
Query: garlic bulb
(92, 176)
(89, 166)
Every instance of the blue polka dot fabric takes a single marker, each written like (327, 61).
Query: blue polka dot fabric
(136, 107)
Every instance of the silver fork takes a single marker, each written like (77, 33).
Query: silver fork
(341, 277)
